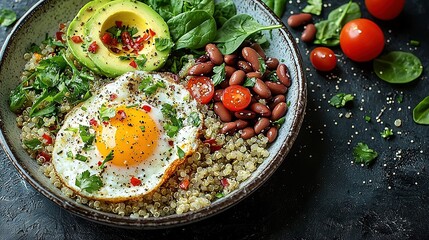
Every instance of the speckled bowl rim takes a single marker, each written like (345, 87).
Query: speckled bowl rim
(189, 217)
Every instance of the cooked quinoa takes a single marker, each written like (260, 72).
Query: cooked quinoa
(211, 175)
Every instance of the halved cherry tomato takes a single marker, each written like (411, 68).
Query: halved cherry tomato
(201, 88)
(323, 59)
(361, 40)
(236, 97)
(385, 9)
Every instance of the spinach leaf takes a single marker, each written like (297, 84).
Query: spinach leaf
(314, 7)
(233, 33)
(421, 112)
(278, 6)
(398, 67)
(88, 182)
(328, 31)
(224, 10)
(194, 5)
(192, 30)
(7, 17)
(163, 44)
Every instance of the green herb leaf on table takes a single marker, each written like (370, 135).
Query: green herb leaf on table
(386, 133)
(421, 112)
(398, 67)
(7, 17)
(313, 7)
(363, 154)
(88, 182)
(340, 100)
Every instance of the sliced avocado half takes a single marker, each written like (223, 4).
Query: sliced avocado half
(113, 56)
(76, 28)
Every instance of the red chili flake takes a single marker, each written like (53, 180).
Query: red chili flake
(105, 123)
(93, 47)
(113, 96)
(47, 138)
(135, 181)
(107, 39)
(62, 26)
(43, 157)
(152, 33)
(76, 39)
(99, 163)
(147, 108)
(93, 122)
(213, 145)
(122, 115)
(133, 64)
(184, 184)
(224, 182)
(59, 36)
(171, 143)
(118, 24)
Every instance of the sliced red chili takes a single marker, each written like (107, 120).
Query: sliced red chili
(76, 39)
(47, 138)
(184, 184)
(135, 181)
(99, 163)
(133, 64)
(147, 108)
(93, 47)
(152, 33)
(171, 143)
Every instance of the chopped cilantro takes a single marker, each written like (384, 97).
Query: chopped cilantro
(414, 43)
(87, 137)
(125, 58)
(400, 99)
(340, 100)
(272, 76)
(280, 121)
(106, 113)
(194, 119)
(88, 182)
(180, 152)
(141, 61)
(69, 155)
(219, 74)
(149, 87)
(80, 157)
(250, 82)
(363, 154)
(70, 129)
(143, 128)
(173, 124)
(220, 195)
(263, 66)
(33, 144)
(367, 118)
(108, 158)
(386, 133)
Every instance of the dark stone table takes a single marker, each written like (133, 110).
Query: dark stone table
(318, 193)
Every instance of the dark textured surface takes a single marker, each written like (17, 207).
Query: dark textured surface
(318, 193)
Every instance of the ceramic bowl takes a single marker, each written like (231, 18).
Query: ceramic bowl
(44, 18)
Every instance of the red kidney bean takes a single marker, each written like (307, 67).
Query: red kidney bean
(245, 114)
(201, 69)
(229, 127)
(276, 87)
(261, 89)
(241, 124)
(272, 63)
(260, 109)
(299, 19)
(243, 65)
(309, 33)
(276, 100)
(223, 113)
(202, 59)
(247, 133)
(218, 95)
(251, 56)
(272, 134)
(261, 125)
(254, 75)
(237, 78)
(229, 71)
(283, 75)
(259, 50)
(224, 84)
(230, 59)
(279, 111)
(215, 55)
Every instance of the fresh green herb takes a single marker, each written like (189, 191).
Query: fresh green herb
(163, 44)
(328, 31)
(313, 7)
(421, 112)
(194, 119)
(143, 128)
(233, 33)
(173, 124)
(125, 58)
(340, 100)
(363, 154)
(278, 6)
(108, 158)
(180, 153)
(220, 195)
(70, 129)
(17, 99)
(81, 157)
(86, 136)
(272, 76)
(148, 86)
(398, 67)
(7, 17)
(192, 30)
(117, 31)
(141, 61)
(400, 99)
(224, 10)
(414, 43)
(367, 119)
(88, 182)
(249, 82)
(386, 133)
(106, 113)
(219, 74)
(280, 121)
(33, 144)
(70, 155)
(263, 66)
(34, 48)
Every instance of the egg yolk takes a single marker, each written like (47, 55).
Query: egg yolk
(132, 135)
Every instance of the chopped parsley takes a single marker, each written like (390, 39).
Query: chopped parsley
(386, 133)
(180, 152)
(250, 82)
(87, 137)
(80, 157)
(149, 87)
(367, 118)
(219, 74)
(363, 154)
(173, 124)
(88, 182)
(106, 113)
(340, 100)
(33, 144)
(108, 158)
(143, 128)
(194, 119)
(141, 61)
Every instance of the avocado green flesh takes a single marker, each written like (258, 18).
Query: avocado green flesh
(76, 29)
(132, 14)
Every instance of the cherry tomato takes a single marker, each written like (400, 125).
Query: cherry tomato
(236, 97)
(323, 59)
(361, 40)
(201, 88)
(385, 9)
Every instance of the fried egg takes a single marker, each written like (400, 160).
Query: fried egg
(129, 138)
